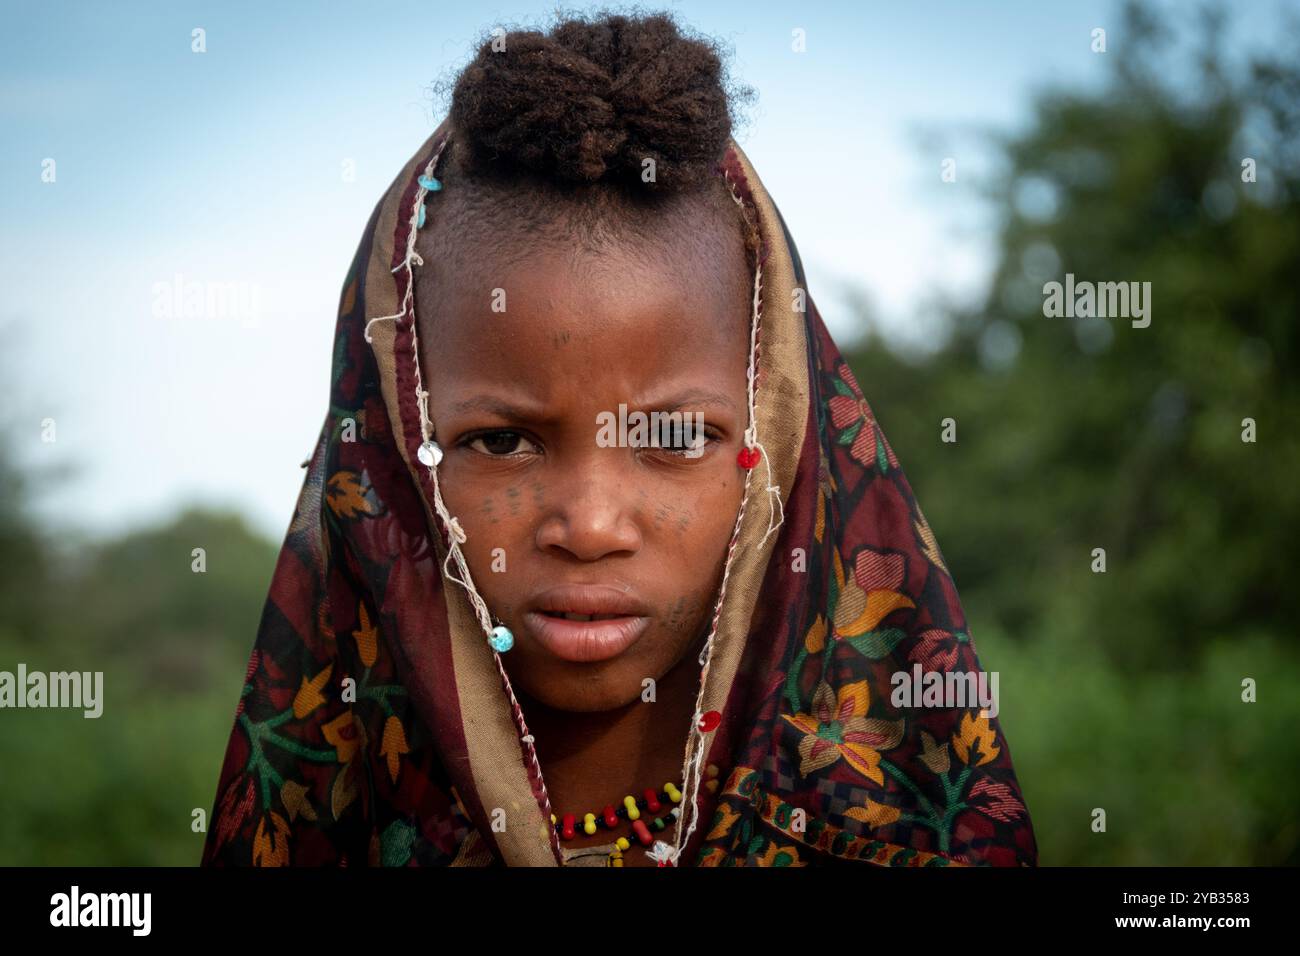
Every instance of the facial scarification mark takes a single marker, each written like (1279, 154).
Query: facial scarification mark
(513, 494)
(675, 616)
(560, 339)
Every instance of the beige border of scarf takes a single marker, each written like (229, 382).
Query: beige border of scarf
(496, 757)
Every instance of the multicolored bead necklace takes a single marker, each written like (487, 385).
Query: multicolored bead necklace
(630, 810)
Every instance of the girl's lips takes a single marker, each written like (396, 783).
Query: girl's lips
(585, 641)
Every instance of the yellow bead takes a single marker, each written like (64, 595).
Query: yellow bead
(617, 861)
(632, 812)
(623, 843)
(589, 824)
(674, 794)
(552, 819)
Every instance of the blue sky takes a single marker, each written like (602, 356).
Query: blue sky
(226, 167)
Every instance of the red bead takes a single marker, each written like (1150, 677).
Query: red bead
(747, 458)
(611, 818)
(642, 833)
(709, 721)
(567, 830)
(652, 801)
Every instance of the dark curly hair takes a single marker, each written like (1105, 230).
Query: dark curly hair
(551, 134)
(591, 101)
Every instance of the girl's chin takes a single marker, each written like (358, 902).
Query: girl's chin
(579, 695)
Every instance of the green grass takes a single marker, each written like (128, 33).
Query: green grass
(119, 789)
(1187, 773)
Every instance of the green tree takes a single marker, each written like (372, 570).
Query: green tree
(1077, 434)
(171, 644)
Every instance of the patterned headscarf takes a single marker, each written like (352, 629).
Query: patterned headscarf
(376, 725)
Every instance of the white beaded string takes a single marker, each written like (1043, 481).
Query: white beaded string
(695, 739)
(695, 746)
(455, 532)
(411, 257)
(751, 433)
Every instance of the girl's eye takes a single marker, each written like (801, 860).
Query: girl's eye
(500, 443)
(687, 443)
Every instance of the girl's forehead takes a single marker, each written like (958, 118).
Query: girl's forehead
(489, 240)
(553, 337)
(555, 298)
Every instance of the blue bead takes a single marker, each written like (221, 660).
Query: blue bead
(420, 222)
(501, 640)
(429, 183)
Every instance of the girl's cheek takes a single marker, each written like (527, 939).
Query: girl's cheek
(671, 511)
(699, 516)
(674, 614)
(685, 614)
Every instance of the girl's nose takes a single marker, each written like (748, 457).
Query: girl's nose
(591, 518)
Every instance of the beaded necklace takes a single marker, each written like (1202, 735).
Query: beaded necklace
(629, 810)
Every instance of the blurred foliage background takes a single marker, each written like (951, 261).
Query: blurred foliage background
(1123, 690)
(1120, 690)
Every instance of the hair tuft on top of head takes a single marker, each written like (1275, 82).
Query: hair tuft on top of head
(591, 100)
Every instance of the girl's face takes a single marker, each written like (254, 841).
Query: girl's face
(559, 519)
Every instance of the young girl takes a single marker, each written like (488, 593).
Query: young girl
(511, 624)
